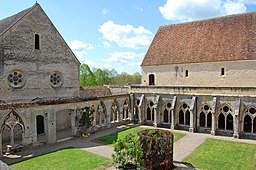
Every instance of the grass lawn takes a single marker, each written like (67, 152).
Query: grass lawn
(68, 158)
(219, 154)
(112, 138)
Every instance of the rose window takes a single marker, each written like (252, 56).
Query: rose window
(16, 79)
(56, 79)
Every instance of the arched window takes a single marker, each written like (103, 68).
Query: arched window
(229, 122)
(221, 121)
(151, 79)
(148, 114)
(187, 117)
(247, 124)
(37, 45)
(165, 116)
(39, 124)
(181, 117)
(202, 119)
(209, 120)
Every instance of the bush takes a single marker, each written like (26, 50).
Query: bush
(127, 152)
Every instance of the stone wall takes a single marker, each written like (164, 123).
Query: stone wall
(36, 66)
(236, 74)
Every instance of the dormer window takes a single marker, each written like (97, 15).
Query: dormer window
(37, 45)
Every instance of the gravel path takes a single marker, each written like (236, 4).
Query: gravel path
(182, 148)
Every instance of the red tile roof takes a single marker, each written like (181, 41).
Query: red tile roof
(227, 38)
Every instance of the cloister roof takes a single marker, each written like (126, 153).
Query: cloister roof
(227, 38)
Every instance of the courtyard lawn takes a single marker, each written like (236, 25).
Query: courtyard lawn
(65, 159)
(112, 138)
(219, 154)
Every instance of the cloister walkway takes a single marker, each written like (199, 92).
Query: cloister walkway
(182, 147)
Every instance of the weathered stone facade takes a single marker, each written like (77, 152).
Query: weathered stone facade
(41, 97)
(39, 85)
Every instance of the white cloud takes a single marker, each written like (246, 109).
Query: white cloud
(79, 45)
(106, 44)
(80, 49)
(139, 9)
(126, 35)
(188, 10)
(105, 11)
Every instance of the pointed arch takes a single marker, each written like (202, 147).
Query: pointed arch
(181, 117)
(187, 117)
(229, 122)
(209, 120)
(202, 119)
(247, 124)
(221, 121)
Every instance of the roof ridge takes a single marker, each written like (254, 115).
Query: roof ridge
(26, 11)
(207, 19)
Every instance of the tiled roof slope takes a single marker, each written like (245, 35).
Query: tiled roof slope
(226, 38)
(8, 22)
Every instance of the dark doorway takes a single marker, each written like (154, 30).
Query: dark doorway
(221, 121)
(148, 114)
(165, 116)
(151, 79)
(202, 119)
(40, 124)
(187, 117)
(247, 124)
(229, 122)
(209, 120)
(181, 117)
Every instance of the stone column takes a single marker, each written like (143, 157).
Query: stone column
(52, 138)
(131, 107)
(172, 112)
(73, 123)
(236, 122)
(172, 123)
(191, 127)
(108, 105)
(214, 103)
(213, 124)
(155, 117)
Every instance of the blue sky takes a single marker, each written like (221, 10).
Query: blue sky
(117, 33)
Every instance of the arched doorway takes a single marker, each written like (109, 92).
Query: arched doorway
(151, 79)
(247, 124)
(39, 124)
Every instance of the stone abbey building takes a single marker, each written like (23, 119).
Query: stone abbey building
(196, 76)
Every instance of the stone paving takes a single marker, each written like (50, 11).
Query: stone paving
(182, 147)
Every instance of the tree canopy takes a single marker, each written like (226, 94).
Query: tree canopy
(99, 77)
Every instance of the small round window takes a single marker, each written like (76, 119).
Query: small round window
(16, 79)
(56, 79)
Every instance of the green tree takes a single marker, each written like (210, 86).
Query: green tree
(87, 78)
(102, 76)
